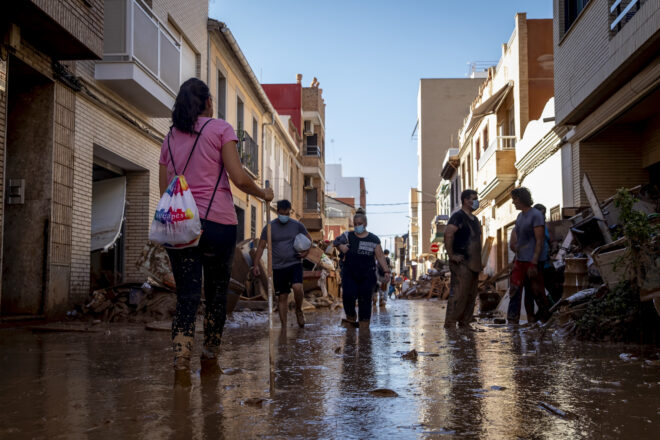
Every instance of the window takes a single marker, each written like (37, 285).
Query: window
(188, 62)
(477, 149)
(240, 227)
(555, 214)
(222, 96)
(240, 123)
(308, 127)
(253, 221)
(255, 131)
(512, 122)
(469, 172)
(572, 9)
(485, 137)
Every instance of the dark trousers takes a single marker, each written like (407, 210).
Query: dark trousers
(212, 258)
(359, 289)
(462, 295)
(534, 292)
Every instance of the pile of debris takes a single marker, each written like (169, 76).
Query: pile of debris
(608, 291)
(433, 285)
(155, 299)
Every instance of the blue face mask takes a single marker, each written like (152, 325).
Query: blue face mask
(283, 218)
(475, 205)
(359, 229)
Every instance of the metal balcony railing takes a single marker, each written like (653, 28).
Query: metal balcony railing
(312, 150)
(621, 12)
(500, 143)
(248, 151)
(282, 189)
(133, 33)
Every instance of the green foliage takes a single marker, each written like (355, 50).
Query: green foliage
(614, 317)
(638, 232)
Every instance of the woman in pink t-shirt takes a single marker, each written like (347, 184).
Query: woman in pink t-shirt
(204, 150)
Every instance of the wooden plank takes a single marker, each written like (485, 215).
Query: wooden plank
(485, 250)
(595, 208)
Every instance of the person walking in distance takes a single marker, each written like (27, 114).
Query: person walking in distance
(527, 241)
(358, 275)
(204, 150)
(463, 244)
(287, 262)
(381, 292)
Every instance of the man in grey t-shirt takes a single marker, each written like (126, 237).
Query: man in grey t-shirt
(527, 242)
(287, 262)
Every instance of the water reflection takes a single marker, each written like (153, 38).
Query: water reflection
(463, 385)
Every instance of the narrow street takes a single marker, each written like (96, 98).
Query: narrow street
(492, 383)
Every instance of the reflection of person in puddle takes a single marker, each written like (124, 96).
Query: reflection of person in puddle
(358, 276)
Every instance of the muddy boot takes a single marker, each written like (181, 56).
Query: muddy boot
(182, 346)
(349, 322)
(209, 360)
(301, 318)
(364, 325)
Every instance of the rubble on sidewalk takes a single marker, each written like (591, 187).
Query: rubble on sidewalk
(155, 299)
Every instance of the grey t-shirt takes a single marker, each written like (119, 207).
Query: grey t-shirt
(525, 224)
(283, 235)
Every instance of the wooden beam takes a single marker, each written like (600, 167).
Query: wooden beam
(595, 208)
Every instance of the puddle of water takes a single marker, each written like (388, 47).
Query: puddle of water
(330, 382)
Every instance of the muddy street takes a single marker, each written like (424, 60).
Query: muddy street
(492, 383)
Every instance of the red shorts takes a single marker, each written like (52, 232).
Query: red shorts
(519, 273)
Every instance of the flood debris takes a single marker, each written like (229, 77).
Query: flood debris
(254, 401)
(552, 409)
(383, 392)
(410, 355)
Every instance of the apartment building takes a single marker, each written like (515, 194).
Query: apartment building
(304, 110)
(339, 213)
(266, 148)
(442, 104)
(38, 105)
(607, 92)
(338, 185)
(515, 92)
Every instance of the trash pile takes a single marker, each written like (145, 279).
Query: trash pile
(611, 286)
(155, 299)
(433, 285)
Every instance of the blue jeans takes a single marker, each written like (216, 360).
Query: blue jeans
(213, 257)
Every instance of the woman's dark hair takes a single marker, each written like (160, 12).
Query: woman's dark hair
(189, 104)
(523, 195)
(360, 214)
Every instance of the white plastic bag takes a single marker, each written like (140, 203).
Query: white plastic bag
(301, 243)
(176, 223)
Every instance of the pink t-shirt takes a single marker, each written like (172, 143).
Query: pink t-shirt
(204, 167)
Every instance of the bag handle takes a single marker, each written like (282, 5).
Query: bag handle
(191, 151)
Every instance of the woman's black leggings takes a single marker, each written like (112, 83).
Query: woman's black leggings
(360, 289)
(213, 256)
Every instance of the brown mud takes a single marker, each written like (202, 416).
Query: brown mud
(498, 383)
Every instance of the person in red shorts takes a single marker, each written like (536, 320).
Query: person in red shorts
(527, 242)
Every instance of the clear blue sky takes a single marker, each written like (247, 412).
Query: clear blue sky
(369, 57)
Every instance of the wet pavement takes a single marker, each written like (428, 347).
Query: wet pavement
(494, 384)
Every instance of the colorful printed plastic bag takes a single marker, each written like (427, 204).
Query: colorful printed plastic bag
(176, 223)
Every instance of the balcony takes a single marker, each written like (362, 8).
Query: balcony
(141, 59)
(282, 189)
(312, 161)
(496, 168)
(248, 151)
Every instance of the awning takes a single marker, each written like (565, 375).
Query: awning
(108, 201)
(490, 105)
